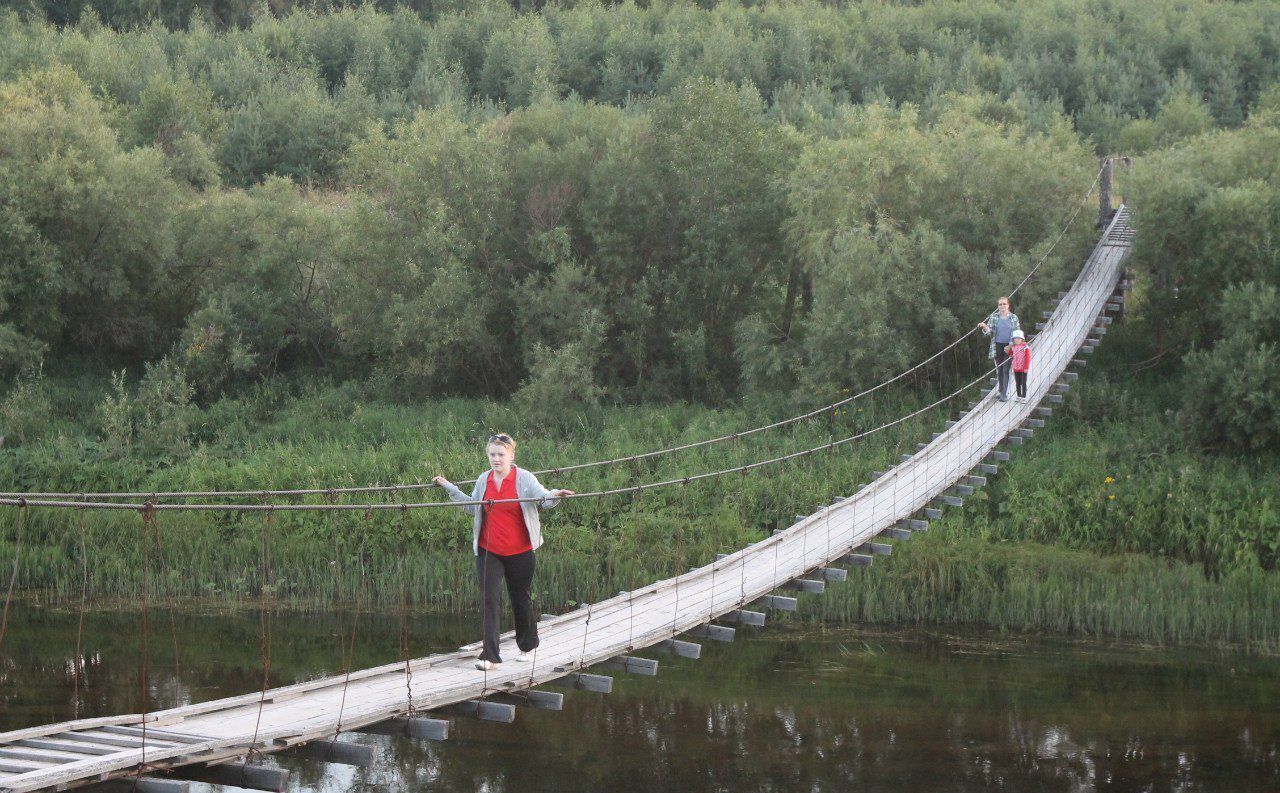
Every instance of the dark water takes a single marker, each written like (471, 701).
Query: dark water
(789, 708)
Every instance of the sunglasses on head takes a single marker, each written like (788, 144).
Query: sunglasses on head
(501, 437)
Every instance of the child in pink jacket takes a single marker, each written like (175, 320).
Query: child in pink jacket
(1020, 353)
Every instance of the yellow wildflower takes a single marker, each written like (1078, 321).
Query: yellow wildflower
(1109, 480)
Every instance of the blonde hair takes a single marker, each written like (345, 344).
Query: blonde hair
(1004, 299)
(502, 439)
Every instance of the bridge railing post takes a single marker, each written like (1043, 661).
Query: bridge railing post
(1104, 194)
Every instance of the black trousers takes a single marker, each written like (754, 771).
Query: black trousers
(1002, 369)
(1020, 380)
(491, 569)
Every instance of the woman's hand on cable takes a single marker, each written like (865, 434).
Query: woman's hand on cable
(561, 493)
(984, 326)
(440, 480)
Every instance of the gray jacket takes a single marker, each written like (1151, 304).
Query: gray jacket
(527, 486)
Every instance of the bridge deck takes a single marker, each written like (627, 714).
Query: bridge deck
(222, 729)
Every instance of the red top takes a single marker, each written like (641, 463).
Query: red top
(1021, 355)
(503, 531)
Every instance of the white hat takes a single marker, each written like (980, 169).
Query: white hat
(1017, 334)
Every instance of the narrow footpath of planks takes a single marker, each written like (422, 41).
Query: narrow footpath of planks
(210, 741)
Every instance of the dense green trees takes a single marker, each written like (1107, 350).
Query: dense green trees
(1208, 214)
(606, 201)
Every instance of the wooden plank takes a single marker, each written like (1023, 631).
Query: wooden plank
(877, 548)
(893, 533)
(38, 755)
(160, 735)
(66, 746)
(833, 573)
(856, 559)
(931, 513)
(118, 741)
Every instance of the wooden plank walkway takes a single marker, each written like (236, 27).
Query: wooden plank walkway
(71, 754)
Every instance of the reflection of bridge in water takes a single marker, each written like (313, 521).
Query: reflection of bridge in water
(210, 741)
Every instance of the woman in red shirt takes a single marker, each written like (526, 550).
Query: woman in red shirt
(506, 531)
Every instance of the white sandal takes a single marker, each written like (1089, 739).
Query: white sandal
(485, 665)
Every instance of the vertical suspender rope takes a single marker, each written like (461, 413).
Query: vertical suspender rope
(19, 521)
(404, 609)
(348, 656)
(148, 525)
(77, 667)
(264, 630)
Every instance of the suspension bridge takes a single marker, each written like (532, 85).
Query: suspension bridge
(217, 741)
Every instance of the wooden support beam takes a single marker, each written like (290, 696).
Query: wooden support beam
(833, 573)
(36, 755)
(340, 752)
(894, 533)
(962, 490)
(146, 784)
(159, 735)
(1023, 432)
(77, 747)
(112, 740)
(998, 456)
(1012, 440)
(422, 729)
(1070, 377)
(779, 602)
(857, 559)
(633, 665)
(1079, 362)
(530, 698)
(932, 513)
(241, 775)
(1034, 423)
(951, 501)
(1086, 349)
(915, 524)
(1055, 399)
(20, 767)
(987, 468)
(1046, 314)
(1043, 411)
(679, 648)
(805, 585)
(1060, 388)
(481, 709)
(581, 681)
(877, 548)
(876, 475)
(974, 480)
(744, 617)
(1041, 325)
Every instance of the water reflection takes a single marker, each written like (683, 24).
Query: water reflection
(787, 709)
